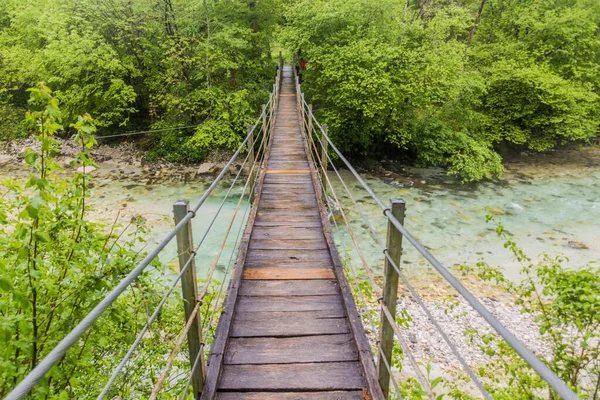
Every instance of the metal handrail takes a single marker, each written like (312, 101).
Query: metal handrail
(31, 380)
(561, 388)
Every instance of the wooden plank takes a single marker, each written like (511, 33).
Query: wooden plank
(294, 205)
(286, 244)
(288, 273)
(288, 288)
(286, 171)
(286, 324)
(332, 303)
(283, 233)
(276, 222)
(287, 264)
(286, 178)
(333, 395)
(303, 349)
(286, 212)
(268, 256)
(282, 195)
(312, 376)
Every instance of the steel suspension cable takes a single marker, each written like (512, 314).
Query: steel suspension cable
(361, 295)
(201, 295)
(140, 336)
(214, 266)
(356, 245)
(413, 292)
(542, 369)
(216, 301)
(351, 266)
(25, 386)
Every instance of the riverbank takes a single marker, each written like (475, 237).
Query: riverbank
(121, 161)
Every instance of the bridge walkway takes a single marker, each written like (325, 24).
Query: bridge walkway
(290, 328)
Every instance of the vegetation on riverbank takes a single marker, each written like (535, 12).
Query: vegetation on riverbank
(450, 84)
(560, 305)
(55, 267)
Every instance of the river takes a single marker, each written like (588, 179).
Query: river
(548, 203)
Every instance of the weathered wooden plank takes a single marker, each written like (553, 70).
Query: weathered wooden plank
(287, 264)
(288, 233)
(284, 195)
(303, 349)
(285, 178)
(288, 273)
(290, 202)
(333, 395)
(287, 169)
(288, 212)
(288, 288)
(277, 222)
(274, 189)
(286, 244)
(332, 303)
(311, 376)
(270, 256)
(286, 324)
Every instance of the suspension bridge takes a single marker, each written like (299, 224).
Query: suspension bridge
(289, 326)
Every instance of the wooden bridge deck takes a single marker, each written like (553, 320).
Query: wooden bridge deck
(290, 328)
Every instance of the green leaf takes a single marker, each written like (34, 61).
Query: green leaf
(5, 285)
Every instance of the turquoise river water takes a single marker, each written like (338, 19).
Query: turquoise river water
(547, 203)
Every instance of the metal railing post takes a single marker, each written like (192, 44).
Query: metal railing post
(189, 289)
(251, 159)
(390, 294)
(324, 162)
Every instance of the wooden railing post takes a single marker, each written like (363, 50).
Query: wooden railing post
(302, 113)
(189, 289)
(310, 128)
(251, 160)
(274, 100)
(263, 146)
(390, 294)
(324, 163)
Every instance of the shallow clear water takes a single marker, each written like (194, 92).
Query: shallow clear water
(548, 205)
(155, 203)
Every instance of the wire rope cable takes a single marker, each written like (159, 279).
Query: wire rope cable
(25, 386)
(542, 369)
(413, 292)
(138, 339)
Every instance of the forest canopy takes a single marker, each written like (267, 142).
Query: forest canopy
(450, 83)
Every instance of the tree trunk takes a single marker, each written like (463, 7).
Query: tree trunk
(475, 23)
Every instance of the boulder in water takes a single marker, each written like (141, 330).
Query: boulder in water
(577, 245)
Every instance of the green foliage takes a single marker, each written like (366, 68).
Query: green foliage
(393, 76)
(566, 307)
(56, 265)
(142, 64)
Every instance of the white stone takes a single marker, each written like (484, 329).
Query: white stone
(88, 169)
